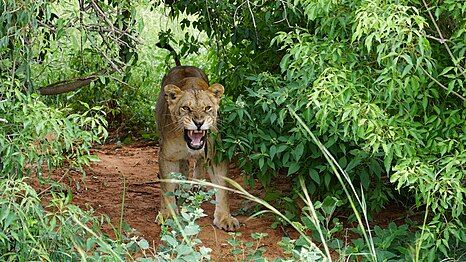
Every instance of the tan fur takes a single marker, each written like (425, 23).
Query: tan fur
(185, 99)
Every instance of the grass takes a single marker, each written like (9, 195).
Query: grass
(364, 226)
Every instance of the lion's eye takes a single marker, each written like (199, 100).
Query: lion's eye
(186, 108)
(208, 108)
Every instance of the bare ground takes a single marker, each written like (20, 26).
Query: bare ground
(135, 168)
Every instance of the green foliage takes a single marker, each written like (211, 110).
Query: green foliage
(240, 35)
(179, 234)
(102, 40)
(260, 125)
(62, 233)
(33, 134)
(380, 82)
(247, 251)
(325, 215)
(298, 251)
(393, 243)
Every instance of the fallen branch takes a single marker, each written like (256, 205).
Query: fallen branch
(69, 85)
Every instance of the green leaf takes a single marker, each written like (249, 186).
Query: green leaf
(191, 230)
(272, 151)
(281, 148)
(451, 85)
(388, 161)
(273, 117)
(298, 151)
(406, 70)
(353, 163)
(261, 163)
(293, 168)
(375, 167)
(94, 158)
(169, 240)
(183, 250)
(143, 244)
(314, 175)
(327, 179)
(365, 180)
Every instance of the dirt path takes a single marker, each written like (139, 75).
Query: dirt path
(102, 189)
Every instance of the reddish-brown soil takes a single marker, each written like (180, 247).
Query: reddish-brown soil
(135, 168)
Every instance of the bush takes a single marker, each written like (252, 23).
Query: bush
(33, 135)
(64, 232)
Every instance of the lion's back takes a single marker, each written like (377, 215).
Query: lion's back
(177, 74)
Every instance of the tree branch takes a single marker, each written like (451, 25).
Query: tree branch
(442, 85)
(69, 85)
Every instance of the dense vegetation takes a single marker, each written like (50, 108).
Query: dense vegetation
(379, 83)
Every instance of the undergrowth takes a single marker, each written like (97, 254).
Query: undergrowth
(59, 232)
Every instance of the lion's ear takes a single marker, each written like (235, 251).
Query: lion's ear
(217, 90)
(172, 92)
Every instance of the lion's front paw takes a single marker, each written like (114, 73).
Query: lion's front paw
(226, 222)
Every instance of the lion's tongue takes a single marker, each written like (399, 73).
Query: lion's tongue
(196, 137)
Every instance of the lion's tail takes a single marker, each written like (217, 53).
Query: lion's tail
(167, 46)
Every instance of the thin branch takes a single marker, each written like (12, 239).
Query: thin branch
(97, 27)
(253, 21)
(52, 28)
(285, 15)
(110, 61)
(236, 13)
(121, 82)
(442, 85)
(59, 181)
(102, 15)
(442, 39)
(81, 25)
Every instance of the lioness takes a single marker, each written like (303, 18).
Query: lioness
(186, 111)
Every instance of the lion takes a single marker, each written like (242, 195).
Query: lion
(186, 111)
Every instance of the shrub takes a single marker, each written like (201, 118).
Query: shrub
(33, 135)
(63, 232)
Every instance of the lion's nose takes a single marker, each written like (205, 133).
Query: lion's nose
(198, 124)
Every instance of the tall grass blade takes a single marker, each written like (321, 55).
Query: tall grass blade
(315, 219)
(339, 172)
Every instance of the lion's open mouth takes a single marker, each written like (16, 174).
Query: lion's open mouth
(195, 139)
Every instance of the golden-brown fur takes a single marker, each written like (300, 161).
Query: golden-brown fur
(186, 111)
